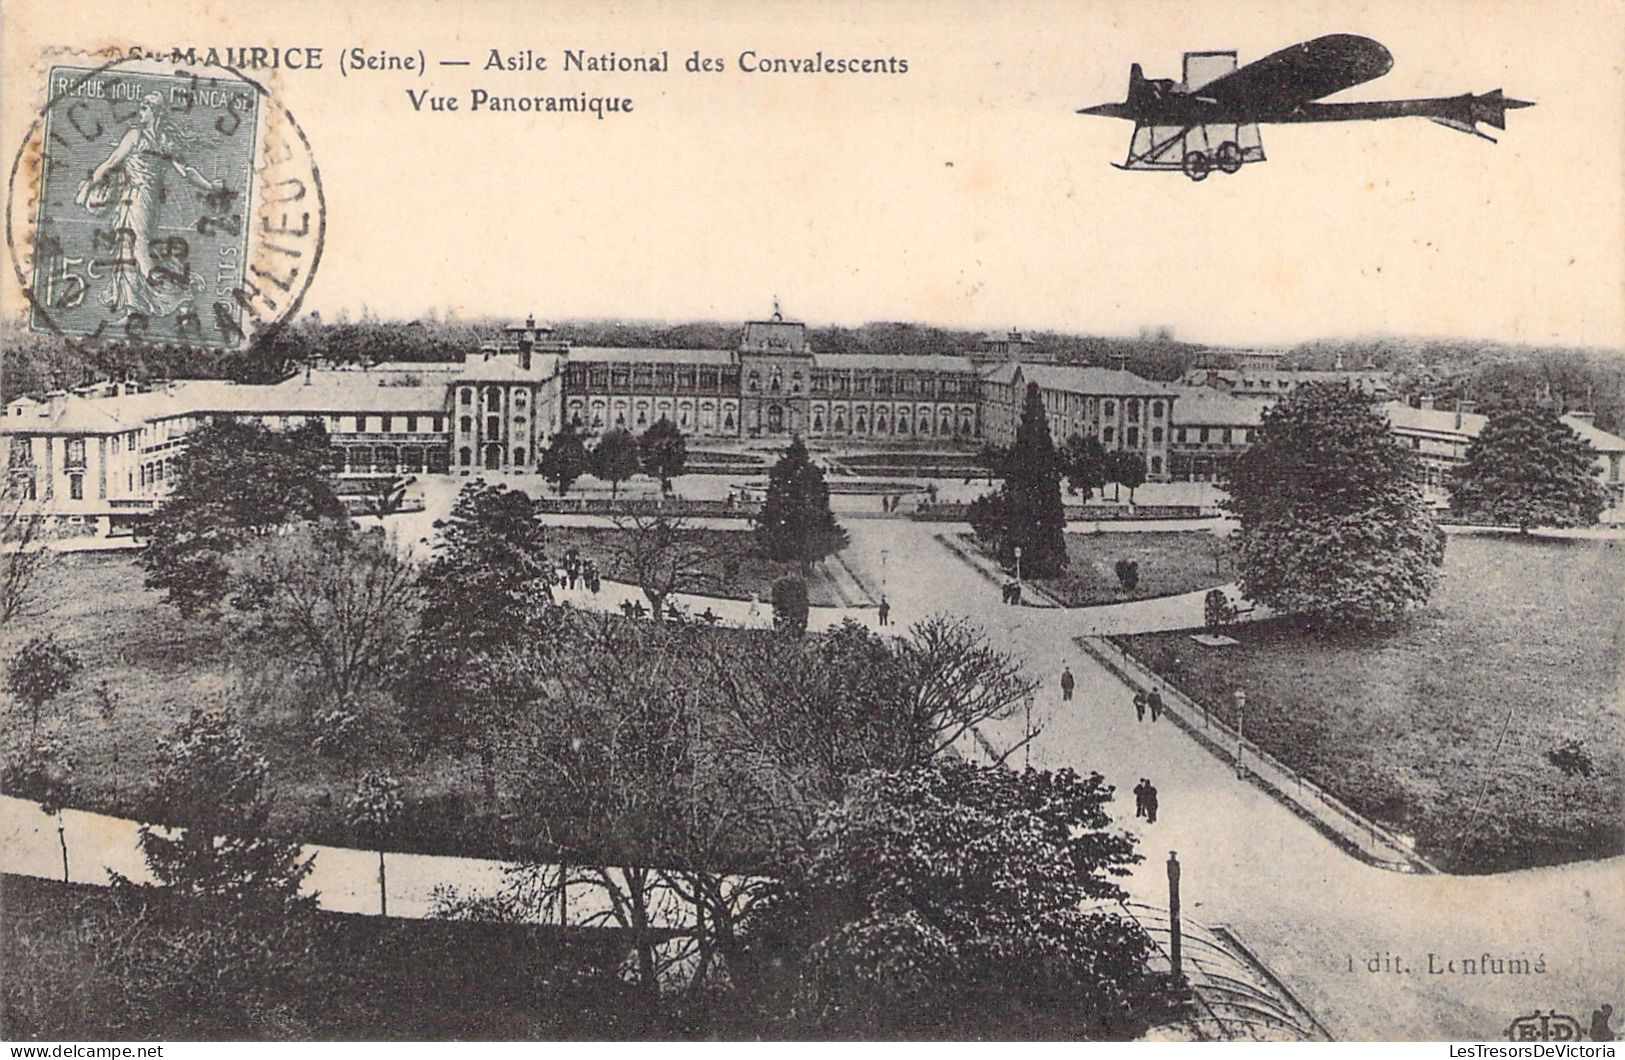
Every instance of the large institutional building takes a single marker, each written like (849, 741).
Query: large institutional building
(98, 459)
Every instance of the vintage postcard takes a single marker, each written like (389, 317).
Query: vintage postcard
(1044, 521)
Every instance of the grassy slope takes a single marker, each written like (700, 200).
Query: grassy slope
(160, 664)
(1526, 634)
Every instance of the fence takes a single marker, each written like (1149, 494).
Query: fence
(674, 508)
(1347, 827)
(955, 512)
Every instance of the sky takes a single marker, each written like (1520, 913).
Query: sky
(964, 193)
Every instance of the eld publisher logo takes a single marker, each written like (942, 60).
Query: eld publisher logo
(1544, 1027)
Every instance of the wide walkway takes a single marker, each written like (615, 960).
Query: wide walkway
(1319, 918)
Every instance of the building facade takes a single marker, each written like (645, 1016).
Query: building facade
(1118, 408)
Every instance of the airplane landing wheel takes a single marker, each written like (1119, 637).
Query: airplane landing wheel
(1228, 156)
(1197, 165)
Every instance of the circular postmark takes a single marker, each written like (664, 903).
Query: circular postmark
(162, 202)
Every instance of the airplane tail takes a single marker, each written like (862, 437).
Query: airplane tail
(1137, 88)
(1464, 113)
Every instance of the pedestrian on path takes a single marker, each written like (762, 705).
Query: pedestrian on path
(1150, 803)
(755, 605)
(1139, 706)
(885, 612)
(1154, 701)
(1067, 684)
(1139, 797)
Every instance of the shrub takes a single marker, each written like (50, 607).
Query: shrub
(790, 605)
(1128, 573)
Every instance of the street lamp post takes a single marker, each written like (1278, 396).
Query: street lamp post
(1241, 728)
(883, 554)
(1027, 734)
(1018, 565)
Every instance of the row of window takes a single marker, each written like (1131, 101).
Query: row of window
(1224, 435)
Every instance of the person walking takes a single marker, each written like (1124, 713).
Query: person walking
(1067, 684)
(1139, 797)
(1139, 706)
(1150, 803)
(885, 612)
(1154, 701)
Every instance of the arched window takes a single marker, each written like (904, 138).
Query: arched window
(818, 421)
(1156, 434)
(465, 395)
(465, 456)
(880, 424)
(840, 423)
(1108, 409)
(861, 427)
(728, 421)
(465, 424)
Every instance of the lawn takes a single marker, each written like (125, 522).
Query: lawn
(734, 566)
(1446, 728)
(1170, 562)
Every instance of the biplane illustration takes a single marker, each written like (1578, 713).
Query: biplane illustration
(1210, 119)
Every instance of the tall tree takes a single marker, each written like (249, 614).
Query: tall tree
(1332, 520)
(1526, 468)
(795, 521)
(234, 482)
(1033, 518)
(958, 894)
(565, 459)
(664, 452)
(485, 590)
(1084, 460)
(211, 789)
(615, 459)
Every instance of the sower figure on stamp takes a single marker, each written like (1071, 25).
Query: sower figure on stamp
(1067, 683)
(129, 185)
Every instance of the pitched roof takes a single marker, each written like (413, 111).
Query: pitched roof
(1439, 421)
(1200, 406)
(1599, 440)
(1081, 379)
(650, 355)
(894, 362)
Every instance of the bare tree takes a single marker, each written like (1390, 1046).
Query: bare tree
(27, 562)
(663, 555)
(339, 601)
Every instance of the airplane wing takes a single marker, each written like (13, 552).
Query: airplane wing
(1301, 73)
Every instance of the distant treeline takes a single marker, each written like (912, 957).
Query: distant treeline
(1491, 375)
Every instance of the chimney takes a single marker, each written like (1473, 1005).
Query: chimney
(1117, 362)
(55, 402)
